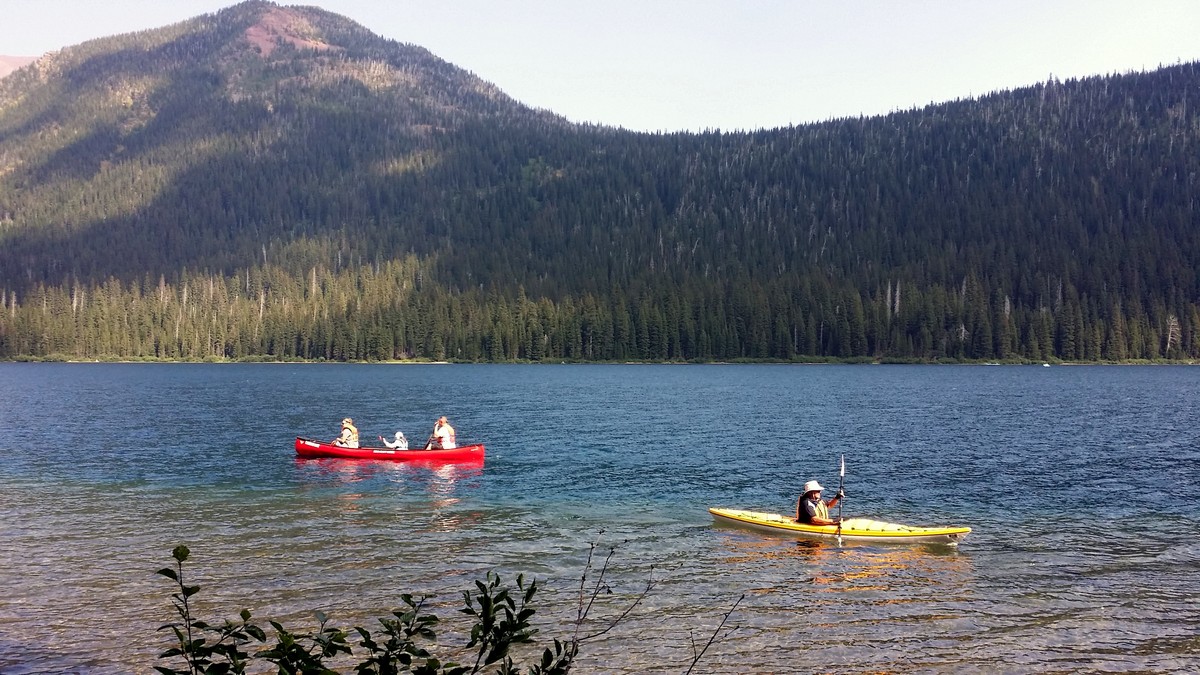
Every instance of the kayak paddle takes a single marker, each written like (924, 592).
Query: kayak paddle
(841, 484)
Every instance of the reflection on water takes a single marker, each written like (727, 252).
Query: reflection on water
(442, 484)
(834, 569)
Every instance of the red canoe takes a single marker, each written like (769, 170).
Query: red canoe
(306, 447)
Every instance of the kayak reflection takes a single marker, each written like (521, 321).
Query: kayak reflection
(848, 569)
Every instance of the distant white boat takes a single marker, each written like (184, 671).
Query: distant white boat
(1045, 365)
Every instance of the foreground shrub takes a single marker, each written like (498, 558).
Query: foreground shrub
(500, 613)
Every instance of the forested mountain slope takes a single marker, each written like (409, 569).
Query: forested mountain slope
(279, 182)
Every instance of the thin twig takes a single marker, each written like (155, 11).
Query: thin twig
(579, 613)
(599, 581)
(713, 637)
(613, 624)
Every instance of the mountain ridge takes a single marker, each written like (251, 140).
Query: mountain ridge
(1050, 221)
(10, 63)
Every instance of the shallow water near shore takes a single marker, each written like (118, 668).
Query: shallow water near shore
(1082, 485)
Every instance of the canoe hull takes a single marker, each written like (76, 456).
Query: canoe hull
(306, 447)
(853, 529)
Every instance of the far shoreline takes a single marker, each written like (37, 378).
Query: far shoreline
(814, 361)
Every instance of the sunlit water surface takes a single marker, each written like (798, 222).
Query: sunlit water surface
(1082, 485)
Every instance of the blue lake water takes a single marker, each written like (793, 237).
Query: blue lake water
(1082, 485)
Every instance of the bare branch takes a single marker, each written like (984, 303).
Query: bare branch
(713, 637)
(650, 584)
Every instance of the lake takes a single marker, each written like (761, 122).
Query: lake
(1082, 485)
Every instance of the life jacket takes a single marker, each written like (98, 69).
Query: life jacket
(822, 510)
(353, 432)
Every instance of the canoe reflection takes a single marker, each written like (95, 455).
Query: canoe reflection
(440, 481)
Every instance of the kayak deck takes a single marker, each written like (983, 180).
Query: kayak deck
(853, 529)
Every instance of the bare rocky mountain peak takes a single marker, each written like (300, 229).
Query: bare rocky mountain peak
(284, 25)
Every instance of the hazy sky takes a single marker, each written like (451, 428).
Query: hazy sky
(715, 64)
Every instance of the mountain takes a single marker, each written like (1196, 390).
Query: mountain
(107, 141)
(10, 63)
(278, 182)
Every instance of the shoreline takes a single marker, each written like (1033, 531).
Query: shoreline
(797, 362)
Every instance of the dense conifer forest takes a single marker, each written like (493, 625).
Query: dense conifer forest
(277, 182)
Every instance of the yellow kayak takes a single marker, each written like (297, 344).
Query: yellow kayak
(853, 529)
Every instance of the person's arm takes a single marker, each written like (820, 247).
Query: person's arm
(818, 520)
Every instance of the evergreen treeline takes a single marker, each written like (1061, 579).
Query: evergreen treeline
(181, 193)
(387, 312)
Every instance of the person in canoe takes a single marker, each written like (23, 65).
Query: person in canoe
(813, 510)
(401, 443)
(442, 436)
(349, 436)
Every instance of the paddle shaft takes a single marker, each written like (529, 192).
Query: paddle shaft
(841, 484)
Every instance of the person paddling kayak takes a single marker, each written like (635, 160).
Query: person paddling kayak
(813, 510)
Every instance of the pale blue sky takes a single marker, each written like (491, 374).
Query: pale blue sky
(715, 64)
